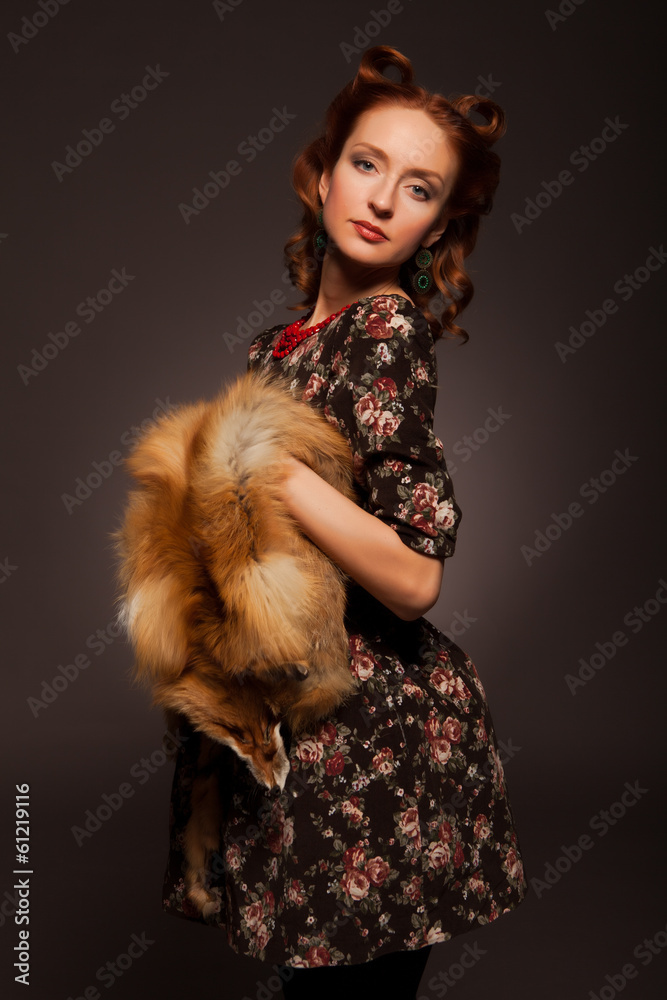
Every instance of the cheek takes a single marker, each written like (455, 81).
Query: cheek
(348, 188)
(414, 230)
(337, 207)
(422, 228)
(338, 195)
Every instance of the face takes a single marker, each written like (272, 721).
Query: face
(395, 173)
(259, 743)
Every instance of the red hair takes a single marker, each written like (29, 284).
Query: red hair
(471, 197)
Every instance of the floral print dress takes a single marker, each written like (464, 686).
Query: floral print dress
(394, 829)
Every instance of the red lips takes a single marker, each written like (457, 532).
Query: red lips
(368, 230)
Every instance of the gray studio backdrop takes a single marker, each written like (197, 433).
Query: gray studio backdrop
(145, 202)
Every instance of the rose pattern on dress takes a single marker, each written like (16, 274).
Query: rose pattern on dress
(394, 829)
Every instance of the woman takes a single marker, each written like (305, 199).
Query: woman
(394, 831)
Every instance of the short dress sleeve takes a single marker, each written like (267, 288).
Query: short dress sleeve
(385, 398)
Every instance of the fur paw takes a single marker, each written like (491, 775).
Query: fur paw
(206, 902)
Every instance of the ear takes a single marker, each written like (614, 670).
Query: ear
(434, 234)
(323, 184)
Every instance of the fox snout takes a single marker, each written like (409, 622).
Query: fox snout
(264, 755)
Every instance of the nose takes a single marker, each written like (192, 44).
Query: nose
(381, 199)
(276, 790)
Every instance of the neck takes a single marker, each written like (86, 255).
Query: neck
(343, 282)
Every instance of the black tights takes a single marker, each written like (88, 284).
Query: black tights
(397, 974)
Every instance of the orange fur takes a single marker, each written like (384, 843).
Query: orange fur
(202, 832)
(236, 617)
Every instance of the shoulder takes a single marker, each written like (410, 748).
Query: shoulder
(261, 342)
(390, 317)
(390, 332)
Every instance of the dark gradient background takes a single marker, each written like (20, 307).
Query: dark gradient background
(529, 621)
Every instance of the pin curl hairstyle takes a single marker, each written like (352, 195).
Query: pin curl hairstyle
(471, 197)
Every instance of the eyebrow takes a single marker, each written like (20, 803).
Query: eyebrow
(416, 171)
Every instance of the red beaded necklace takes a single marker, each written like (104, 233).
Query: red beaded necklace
(296, 332)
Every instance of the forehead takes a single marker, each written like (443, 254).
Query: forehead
(408, 137)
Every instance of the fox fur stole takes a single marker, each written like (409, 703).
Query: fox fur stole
(235, 616)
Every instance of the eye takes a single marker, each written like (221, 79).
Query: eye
(267, 734)
(425, 195)
(237, 733)
(362, 164)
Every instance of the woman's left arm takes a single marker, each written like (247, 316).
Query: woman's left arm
(405, 581)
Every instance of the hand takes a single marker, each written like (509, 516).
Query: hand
(290, 469)
(293, 463)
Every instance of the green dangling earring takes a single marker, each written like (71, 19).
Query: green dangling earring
(320, 237)
(422, 280)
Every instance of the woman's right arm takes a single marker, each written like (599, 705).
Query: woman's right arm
(366, 548)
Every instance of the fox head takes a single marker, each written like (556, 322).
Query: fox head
(261, 747)
(234, 713)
